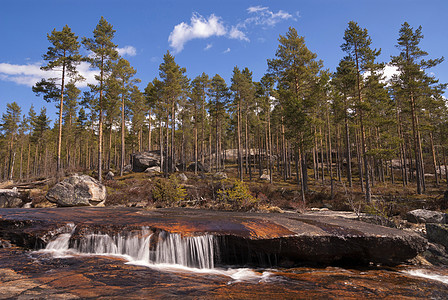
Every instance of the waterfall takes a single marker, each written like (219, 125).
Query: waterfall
(61, 243)
(197, 251)
(166, 248)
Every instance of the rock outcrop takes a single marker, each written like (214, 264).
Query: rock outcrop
(220, 175)
(153, 170)
(426, 216)
(265, 177)
(144, 160)
(78, 190)
(437, 233)
(10, 198)
(256, 239)
(109, 176)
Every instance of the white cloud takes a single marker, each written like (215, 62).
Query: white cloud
(227, 50)
(200, 28)
(263, 16)
(255, 9)
(390, 71)
(235, 33)
(127, 50)
(209, 46)
(30, 74)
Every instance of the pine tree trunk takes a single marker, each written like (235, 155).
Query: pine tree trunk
(347, 147)
(61, 107)
(418, 165)
(240, 165)
(149, 131)
(161, 144)
(28, 161)
(431, 138)
(173, 138)
(195, 148)
(330, 156)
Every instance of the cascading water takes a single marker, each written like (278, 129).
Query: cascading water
(197, 251)
(194, 252)
(161, 250)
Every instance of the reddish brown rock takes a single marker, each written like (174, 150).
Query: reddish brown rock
(243, 238)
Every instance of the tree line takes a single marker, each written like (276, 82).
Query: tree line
(298, 122)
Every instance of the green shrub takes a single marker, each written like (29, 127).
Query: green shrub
(168, 191)
(237, 197)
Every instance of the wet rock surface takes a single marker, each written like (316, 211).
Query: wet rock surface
(279, 239)
(26, 275)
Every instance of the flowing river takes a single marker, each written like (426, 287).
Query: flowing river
(145, 263)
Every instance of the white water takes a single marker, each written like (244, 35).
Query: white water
(59, 247)
(172, 252)
(428, 275)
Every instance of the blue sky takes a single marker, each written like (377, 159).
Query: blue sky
(208, 36)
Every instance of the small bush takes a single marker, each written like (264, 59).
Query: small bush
(169, 191)
(237, 197)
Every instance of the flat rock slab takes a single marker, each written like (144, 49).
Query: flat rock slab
(288, 238)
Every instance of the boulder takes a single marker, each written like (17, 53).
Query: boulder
(153, 170)
(10, 198)
(127, 169)
(201, 168)
(437, 233)
(265, 177)
(220, 175)
(182, 177)
(425, 216)
(78, 190)
(143, 160)
(109, 176)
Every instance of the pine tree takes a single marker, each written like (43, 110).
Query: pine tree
(344, 81)
(414, 85)
(103, 52)
(357, 46)
(219, 97)
(123, 72)
(238, 89)
(10, 125)
(200, 86)
(175, 85)
(62, 55)
(295, 69)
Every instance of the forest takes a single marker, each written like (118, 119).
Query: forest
(349, 128)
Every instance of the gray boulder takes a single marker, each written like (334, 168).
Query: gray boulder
(220, 175)
(109, 176)
(10, 198)
(127, 168)
(78, 190)
(182, 177)
(153, 170)
(143, 160)
(265, 177)
(425, 216)
(437, 233)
